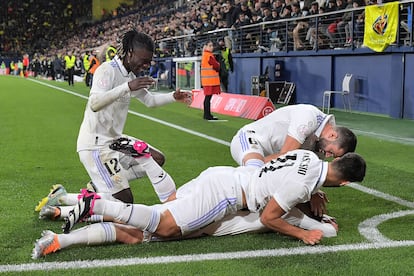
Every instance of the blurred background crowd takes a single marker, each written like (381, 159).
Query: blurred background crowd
(47, 30)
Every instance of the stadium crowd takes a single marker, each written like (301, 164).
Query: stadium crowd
(48, 30)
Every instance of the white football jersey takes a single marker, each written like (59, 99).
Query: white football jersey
(110, 84)
(298, 121)
(290, 179)
(101, 127)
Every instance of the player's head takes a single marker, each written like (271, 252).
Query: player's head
(350, 167)
(136, 50)
(340, 141)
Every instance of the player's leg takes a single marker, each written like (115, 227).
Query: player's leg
(245, 149)
(105, 171)
(97, 233)
(144, 217)
(138, 157)
(239, 223)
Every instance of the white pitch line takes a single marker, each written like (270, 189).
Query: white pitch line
(382, 195)
(319, 249)
(368, 228)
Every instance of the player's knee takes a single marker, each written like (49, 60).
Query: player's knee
(124, 196)
(158, 157)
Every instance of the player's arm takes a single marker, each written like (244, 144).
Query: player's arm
(271, 217)
(290, 144)
(153, 100)
(103, 93)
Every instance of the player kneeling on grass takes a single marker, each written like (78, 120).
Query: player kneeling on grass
(59, 202)
(272, 190)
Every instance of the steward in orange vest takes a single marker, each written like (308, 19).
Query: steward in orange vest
(210, 79)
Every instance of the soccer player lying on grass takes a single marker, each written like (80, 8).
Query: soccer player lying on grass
(108, 232)
(271, 190)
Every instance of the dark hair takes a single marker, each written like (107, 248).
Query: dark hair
(346, 139)
(350, 167)
(132, 40)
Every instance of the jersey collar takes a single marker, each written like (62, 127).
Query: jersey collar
(120, 66)
(322, 176)
(328, 119)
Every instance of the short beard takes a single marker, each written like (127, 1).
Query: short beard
(316, 145)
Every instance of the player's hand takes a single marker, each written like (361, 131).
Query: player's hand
(312, 237)
(318, 203)
(183, 96)
(140, 83)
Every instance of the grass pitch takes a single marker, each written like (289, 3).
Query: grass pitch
(39, 123)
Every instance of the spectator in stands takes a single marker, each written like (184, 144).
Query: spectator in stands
(332, 32)
(359, 27)
(275, 15)
(354, 29)
(206, 24)
(153, 70)
(331, 22)
(239, 34)
(210, 79)
(244, 9)
(317, 34)
(267, 34)
(278, 6)
(229, 13)
(342, 26)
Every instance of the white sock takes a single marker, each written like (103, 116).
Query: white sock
(138, 215)
(69, 199)
(132, 169)
(256, 163)
(97, 233)
(95, 218)
(64, 211)
(162, 182)
(298, 218)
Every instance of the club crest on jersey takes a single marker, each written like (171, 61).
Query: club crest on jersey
(305, 129)
(103, 83)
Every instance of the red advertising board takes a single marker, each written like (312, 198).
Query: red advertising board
(245, 106)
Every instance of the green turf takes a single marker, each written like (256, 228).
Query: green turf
(39, 127)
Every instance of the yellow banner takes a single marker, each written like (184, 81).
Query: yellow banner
(381, 24)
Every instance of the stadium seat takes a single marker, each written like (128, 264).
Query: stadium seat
(346, 90)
